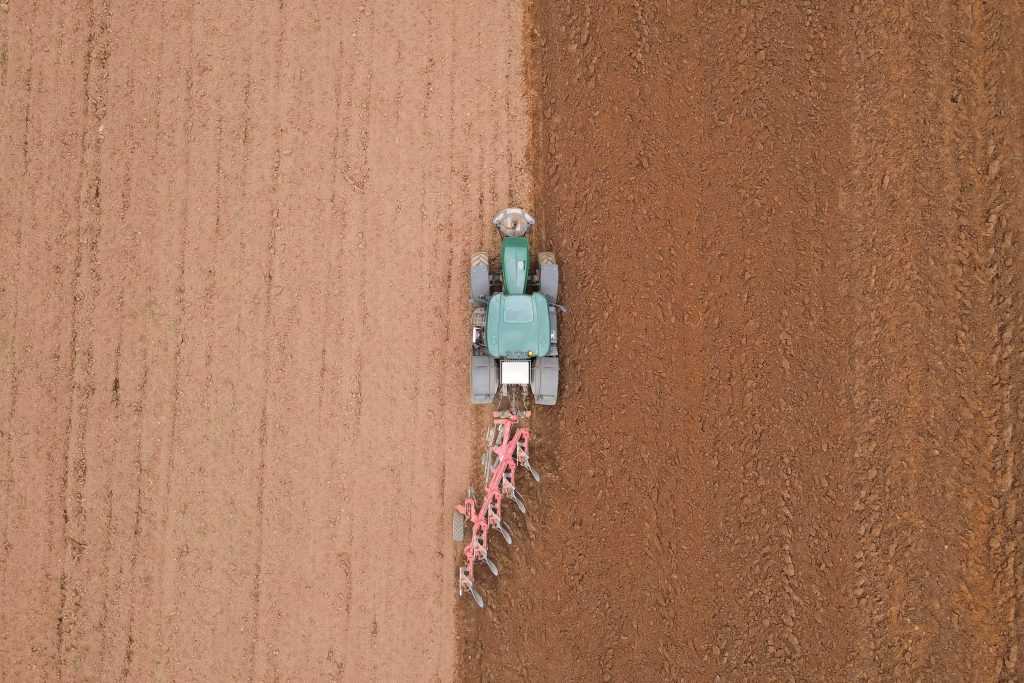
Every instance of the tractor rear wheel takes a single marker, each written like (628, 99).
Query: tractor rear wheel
(548, 276)
(544, 380)
(483, 377)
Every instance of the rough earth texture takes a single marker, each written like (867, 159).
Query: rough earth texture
(233, 403)
(789, 445)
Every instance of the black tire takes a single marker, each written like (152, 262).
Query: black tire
(479, 276)
(547, 276)
(458, 526)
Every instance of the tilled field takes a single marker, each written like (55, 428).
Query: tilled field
(233, 415)
(789, 441)
(233, 409)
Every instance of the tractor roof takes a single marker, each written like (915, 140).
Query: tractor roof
(518, 326)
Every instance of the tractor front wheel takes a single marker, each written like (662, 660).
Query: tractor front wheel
(480, 276)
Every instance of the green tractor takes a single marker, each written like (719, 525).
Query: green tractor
(515, 319)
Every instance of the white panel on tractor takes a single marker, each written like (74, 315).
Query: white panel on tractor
(515, 372)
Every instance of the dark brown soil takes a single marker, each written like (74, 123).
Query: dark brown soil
(789, 443)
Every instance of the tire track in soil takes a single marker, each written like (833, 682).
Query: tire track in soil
(17, 91)
(133, 372)
(81, 504)
(154, 247)
(267, 130)
(36, 424)
(178, 210)
(139, 383)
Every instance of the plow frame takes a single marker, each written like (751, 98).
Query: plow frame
(508, 449)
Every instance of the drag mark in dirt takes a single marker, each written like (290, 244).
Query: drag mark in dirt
(254, 652)
(81, 381)
(36, 287)
(947, 433)
(988, 233)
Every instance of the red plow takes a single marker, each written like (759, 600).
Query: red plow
(508, 449)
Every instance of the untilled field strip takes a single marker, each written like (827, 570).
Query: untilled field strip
(233, 411)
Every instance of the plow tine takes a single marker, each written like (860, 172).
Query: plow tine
(504, 532)
(517, 500)
(510, 491)
(476, 597)
(523, 458)
(533, 473)
(490, 565)
(466, 586)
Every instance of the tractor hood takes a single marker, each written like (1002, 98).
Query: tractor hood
(518, 326)
(515, 256)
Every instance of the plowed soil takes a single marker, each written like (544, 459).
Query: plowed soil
(789, 440)
(233, 382)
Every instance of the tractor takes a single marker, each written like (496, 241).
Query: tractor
(515, 317)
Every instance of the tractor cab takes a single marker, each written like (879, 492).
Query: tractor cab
(518, 326)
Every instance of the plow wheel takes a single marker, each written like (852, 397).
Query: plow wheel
(458, 526)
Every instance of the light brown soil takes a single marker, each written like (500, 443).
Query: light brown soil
(233, 414)
(789, 440)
